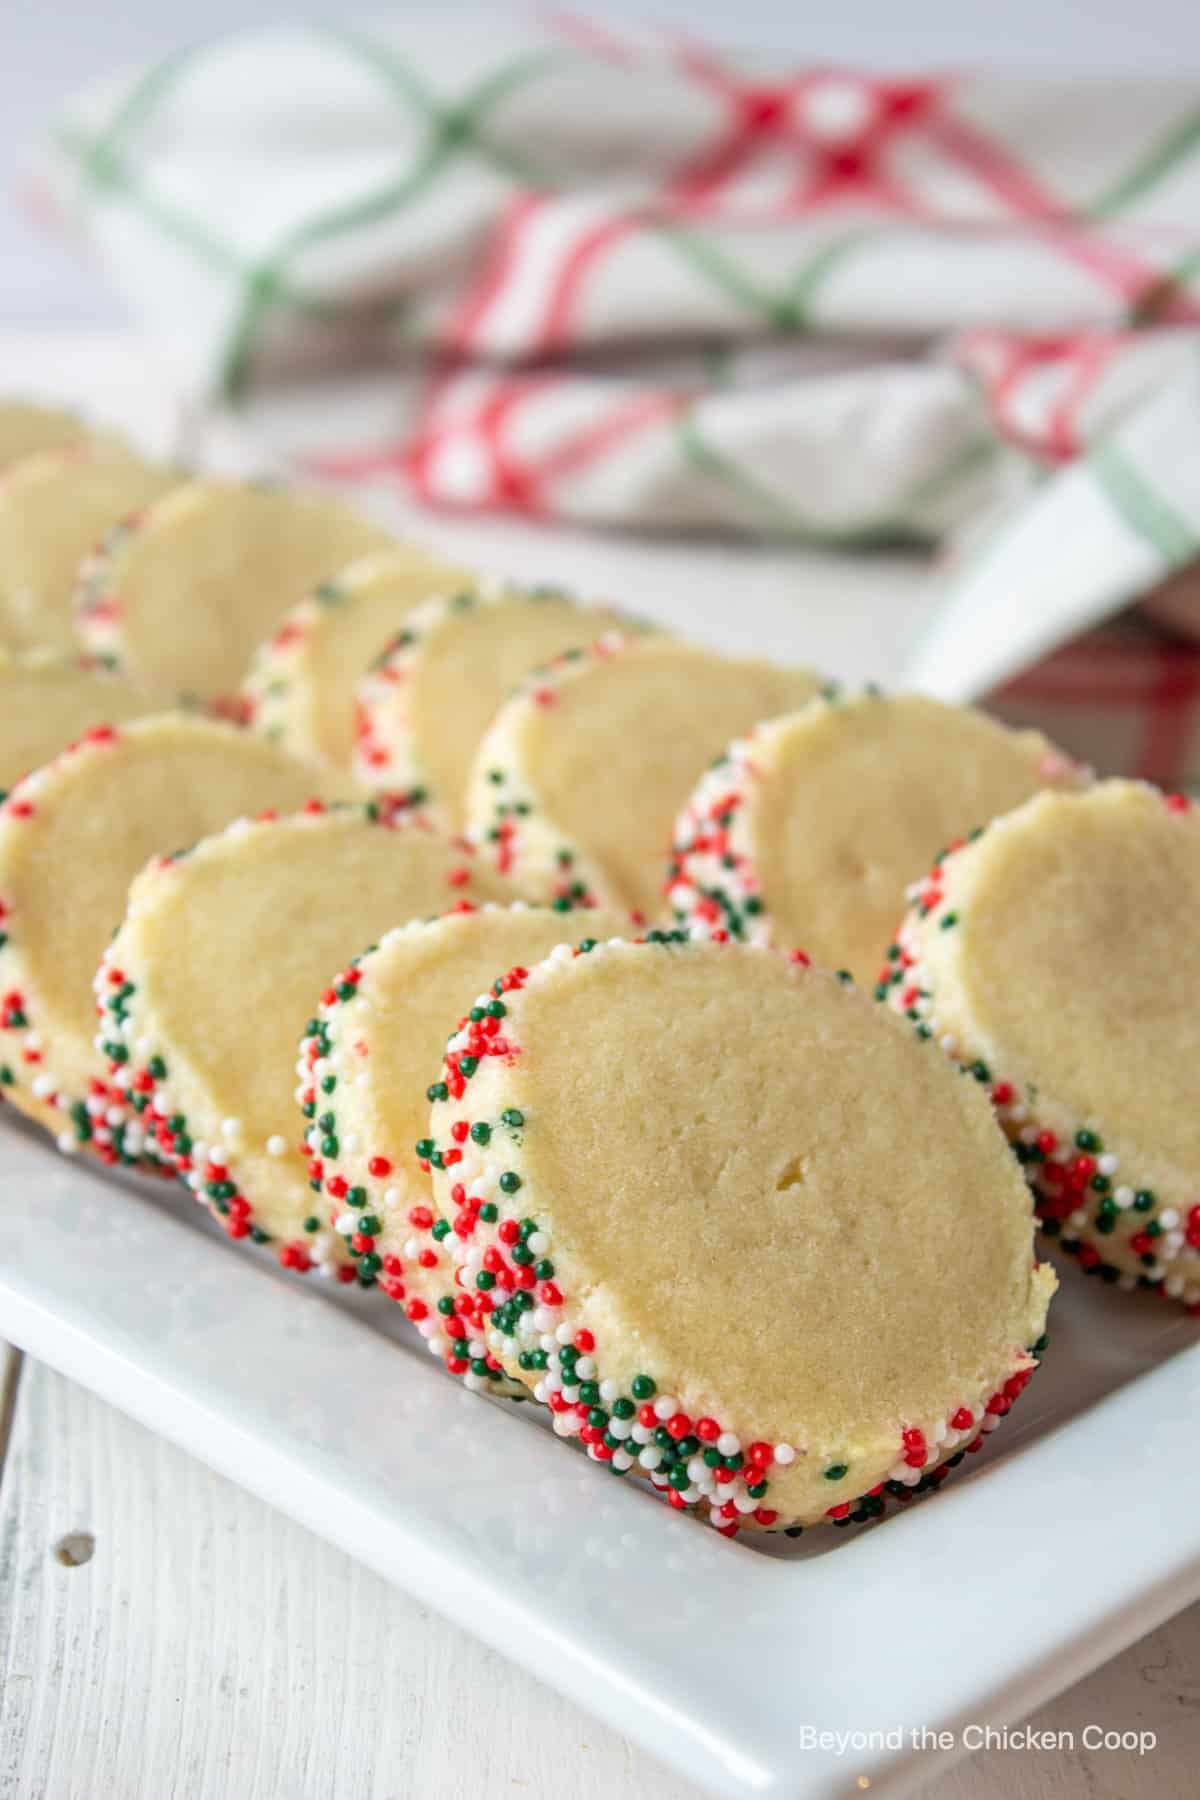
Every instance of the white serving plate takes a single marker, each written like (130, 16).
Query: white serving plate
(1074, 1533)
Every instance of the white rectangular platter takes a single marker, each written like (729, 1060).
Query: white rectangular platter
(1075, 1532)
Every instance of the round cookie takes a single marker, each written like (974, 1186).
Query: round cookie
(682, 1208)
(26, 429)
(381, 1028)
(579, 781)
(300, 691)
(184, 597)
(204, 991)
(47, 701)
(72, 837)
(54, 506)
(811, 828)
(425, 708)
(1057, 957)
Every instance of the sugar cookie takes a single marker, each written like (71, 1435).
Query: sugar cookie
(579, 781)
(1057, 957)
(47, 701)
(300, 691)
(811, 828)
(205, 989)
(184, 597)
(53, 509)
(26, 429)
(668, 1176)
(381, 1029)
(72, 837)
(425, 708)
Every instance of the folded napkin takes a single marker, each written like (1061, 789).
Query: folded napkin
(543, 266)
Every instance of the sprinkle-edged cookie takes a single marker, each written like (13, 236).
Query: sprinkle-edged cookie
(47, 701)
(72, 837)
(380, 1031)
(579, 780)
(54, 506)
(301, 688)
(810, 829)
(676, 1193)
(1057, 957)
(184, 595)
(424, 709)
(204, 991)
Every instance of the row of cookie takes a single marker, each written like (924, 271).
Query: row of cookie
(808, 831)
(555, 1226)
(194, 1023)
(396, 648)
(225, 949)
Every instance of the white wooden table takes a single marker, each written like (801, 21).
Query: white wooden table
(211, 1650)
(163, 1634)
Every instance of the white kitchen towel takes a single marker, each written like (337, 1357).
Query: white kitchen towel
(536, 264)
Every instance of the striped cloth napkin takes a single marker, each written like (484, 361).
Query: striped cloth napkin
(544, 266)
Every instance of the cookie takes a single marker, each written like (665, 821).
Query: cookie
(678, 1186)
(72, 837)
(1057, 957)
(26, 429)
(300, 691)
(425, 708)
(48, 701)
(811, 828)
(579, 781)
(205, 989)
(184, 597)
(54, 506)
(380, 1030)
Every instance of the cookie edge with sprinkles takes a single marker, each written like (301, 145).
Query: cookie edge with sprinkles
(1064, 1159)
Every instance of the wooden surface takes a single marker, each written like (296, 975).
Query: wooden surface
(210, 1650)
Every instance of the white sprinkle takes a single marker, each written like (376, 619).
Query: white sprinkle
(1107, 1164)
(728, 1444)
(276, 1145)
(665, 1405)
(650, 1457)
(784, 1454)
